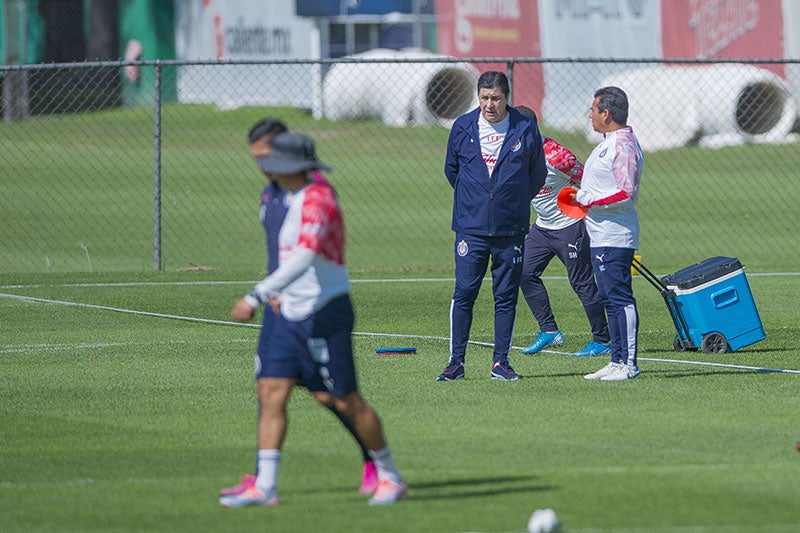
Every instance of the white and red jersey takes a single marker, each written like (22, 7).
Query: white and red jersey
(492, 135)
(563, 170)
(311, 269)
(610, 186)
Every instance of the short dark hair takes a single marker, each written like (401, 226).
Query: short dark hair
(527, 112)
(494, 79)
(267, 126)
(615, 101)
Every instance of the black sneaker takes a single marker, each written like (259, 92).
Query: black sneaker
(502, 370)
(454, 370)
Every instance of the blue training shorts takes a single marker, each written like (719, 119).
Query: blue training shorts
(317, 351)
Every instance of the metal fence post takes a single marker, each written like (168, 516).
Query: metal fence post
(157, 260)
(510, 67)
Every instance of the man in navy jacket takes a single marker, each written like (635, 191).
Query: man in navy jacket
(496, 165)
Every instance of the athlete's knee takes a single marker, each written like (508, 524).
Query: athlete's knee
(274, 392)
(352, 404)
(324, 398)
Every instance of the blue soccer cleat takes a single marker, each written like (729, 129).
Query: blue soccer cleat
(543, 340)
(593, 349)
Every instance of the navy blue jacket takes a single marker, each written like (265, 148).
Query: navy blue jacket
(496, 206)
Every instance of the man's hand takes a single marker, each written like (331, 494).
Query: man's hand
(569, 205)
(242, 311)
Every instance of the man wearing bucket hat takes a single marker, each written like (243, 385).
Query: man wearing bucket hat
(274, 206)
(311, 291)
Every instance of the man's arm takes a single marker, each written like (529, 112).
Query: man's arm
(538, 167)
(451, 158)
(562, 159)
(291, 268)
(625, 169)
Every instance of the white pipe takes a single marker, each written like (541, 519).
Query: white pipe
(713, 106)
(400, 94)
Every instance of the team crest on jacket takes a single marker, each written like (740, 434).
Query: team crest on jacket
(462, 249)
(516, 146)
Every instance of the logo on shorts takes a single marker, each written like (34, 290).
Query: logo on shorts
(516, 146)
(462, 249)
(572, 255)
(602, 266)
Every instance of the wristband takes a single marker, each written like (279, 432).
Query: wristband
(253, 299)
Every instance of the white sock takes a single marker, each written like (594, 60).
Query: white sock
(385, 465)
(268, 461)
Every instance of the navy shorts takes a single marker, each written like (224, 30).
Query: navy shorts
(317, 351)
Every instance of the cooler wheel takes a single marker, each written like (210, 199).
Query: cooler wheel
(714, 342)
(679, 346)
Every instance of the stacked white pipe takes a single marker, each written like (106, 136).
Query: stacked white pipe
(400, 94)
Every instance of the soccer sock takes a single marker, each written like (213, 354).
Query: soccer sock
(385, 464)
(268, 461)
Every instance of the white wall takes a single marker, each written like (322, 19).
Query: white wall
(242, 30)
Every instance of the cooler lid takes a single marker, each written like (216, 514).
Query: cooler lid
(702, 272)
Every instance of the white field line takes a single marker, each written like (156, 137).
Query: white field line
(367, 334)
(57, 347)
(355, 281)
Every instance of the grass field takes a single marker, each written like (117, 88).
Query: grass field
(78, 195)
(117, 415)
(114, 421)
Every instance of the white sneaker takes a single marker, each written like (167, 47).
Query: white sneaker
(622, 373)
(606, 370)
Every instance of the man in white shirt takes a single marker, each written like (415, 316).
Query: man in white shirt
(554, 234)
(610, 187)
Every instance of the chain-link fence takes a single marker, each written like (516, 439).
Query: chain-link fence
(131, 166)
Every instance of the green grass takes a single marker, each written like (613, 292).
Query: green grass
(115, 421)
(88, 178)
(118, 421)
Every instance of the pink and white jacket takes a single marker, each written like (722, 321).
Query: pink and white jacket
(610, 186)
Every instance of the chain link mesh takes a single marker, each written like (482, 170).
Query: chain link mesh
(95, 176)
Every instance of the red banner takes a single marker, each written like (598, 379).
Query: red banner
(501, 28)
(731, 29)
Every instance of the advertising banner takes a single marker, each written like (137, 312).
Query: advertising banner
(572, 30)
(501, 28)
(241, 30)
(732, 29)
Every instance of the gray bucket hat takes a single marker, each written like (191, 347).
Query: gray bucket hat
(292, 152)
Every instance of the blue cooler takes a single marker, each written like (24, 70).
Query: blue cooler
(715, 306)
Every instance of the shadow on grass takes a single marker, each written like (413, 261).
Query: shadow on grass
(748, 351)
(672, 374)
(459, 488)
(474, 487)
(665, 373)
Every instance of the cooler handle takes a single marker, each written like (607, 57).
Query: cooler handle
(725, 297)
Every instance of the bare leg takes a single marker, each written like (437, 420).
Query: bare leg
(364, 418)
(273, 394)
